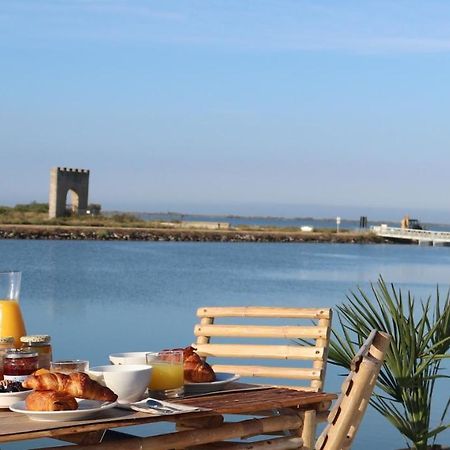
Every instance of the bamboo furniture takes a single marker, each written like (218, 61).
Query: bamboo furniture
(289, 408)
(246, 338)
(346, 415)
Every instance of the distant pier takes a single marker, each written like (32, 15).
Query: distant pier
(422, 237)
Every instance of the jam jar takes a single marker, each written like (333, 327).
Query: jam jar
(18, 364)
(39, 343)
(6, 343)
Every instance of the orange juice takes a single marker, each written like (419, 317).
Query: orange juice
(11, 320)
(166, 375)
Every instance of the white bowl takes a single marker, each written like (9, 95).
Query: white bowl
(9, 398)
(128, 381)
(128, 358)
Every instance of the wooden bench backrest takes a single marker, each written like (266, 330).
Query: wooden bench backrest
(314, 326)
(349, 409)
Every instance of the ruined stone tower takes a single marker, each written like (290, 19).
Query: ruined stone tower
(62, 182)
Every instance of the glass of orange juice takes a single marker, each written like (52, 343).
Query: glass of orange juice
(11, 320)
(167, 379)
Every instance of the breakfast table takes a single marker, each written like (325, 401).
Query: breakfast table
(289, 413)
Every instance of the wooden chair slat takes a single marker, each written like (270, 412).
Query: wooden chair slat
(260, 351)
(293, 373)
(265, 311)
(260, 331)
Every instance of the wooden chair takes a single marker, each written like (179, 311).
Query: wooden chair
(349, 409)
(345, 417)
(314, 325)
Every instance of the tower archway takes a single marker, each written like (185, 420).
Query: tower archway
(69, 190)
(72, 202)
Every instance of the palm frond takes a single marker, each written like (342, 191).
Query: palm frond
(420, 341)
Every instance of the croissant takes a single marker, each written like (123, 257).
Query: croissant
(76, 384)
(50, 401)
(195, 369)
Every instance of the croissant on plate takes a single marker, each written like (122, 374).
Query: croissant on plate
(50, 401)
(76, 384)
(195, 369)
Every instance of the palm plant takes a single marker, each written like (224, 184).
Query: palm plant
(420, 340)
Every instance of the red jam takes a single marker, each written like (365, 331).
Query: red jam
(6, 343)
(18, 364)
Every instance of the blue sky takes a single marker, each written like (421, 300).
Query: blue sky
(251, 107)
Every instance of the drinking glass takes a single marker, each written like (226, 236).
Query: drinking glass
(69, 366)
(167, 379)
(11, 320)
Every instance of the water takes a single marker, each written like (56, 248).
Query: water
(96, 298)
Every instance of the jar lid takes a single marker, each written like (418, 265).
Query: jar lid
(13, 354)
(36, 339)
(7, 340)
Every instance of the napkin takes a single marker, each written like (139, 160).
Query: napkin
(177, 408)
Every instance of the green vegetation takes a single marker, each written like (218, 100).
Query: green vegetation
(126, 219)
(420, 341)
(32, 213)
(37, 214)
(32, 207)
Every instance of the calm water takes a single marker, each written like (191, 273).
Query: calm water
(95, 298)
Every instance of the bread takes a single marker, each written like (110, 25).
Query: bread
(76, 384)
(41, 371)
(50, 401)
(195, 369)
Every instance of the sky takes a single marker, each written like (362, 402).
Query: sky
(252, 107)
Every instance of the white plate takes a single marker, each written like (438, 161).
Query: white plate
(9, 398)
(86, 408)
(222, 380)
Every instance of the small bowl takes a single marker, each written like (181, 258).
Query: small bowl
(9, 398)
(128, 381)
(128, 358)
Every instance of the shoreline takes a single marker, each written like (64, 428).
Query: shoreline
(67, 232)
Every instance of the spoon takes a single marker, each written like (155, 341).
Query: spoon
(156, 404)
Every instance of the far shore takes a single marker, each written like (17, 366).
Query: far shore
(67, 232)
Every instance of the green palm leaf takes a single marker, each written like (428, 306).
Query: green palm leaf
(420, 341)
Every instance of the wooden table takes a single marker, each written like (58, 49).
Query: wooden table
(278, 410)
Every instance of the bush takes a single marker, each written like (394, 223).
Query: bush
(32, 207)
(125, 218)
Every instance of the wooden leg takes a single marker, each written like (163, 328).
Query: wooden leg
(120, 442)
(252, 427)
(88, 438)
(309, 430)
(283, 443)
(201, 422)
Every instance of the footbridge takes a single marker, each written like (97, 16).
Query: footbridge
(422, 237)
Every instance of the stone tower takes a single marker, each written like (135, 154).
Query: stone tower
(64, 181)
